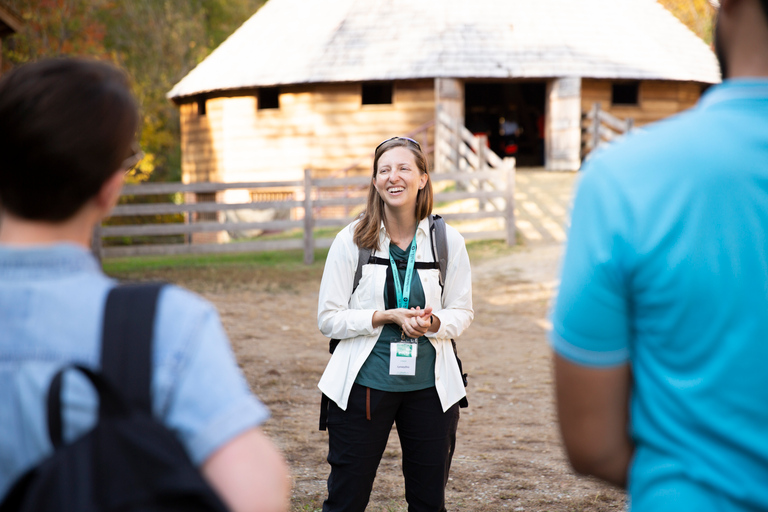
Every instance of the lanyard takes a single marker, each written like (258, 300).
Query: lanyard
(403, 293)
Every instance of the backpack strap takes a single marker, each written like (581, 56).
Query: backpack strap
(111, 403)
(126, 353)
(439, 245)
(363, 257)
(126, 341)
(439, 254)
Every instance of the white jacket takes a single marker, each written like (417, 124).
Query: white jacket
(348, 316)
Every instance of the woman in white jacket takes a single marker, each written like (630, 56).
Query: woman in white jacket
(394, 362)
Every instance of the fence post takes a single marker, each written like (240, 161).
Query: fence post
(309, 223)
(482, 164)
(510, 200)
(96, 241)
(595, 126)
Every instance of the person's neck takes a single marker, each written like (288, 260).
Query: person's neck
(16, 231)
(748, 41)
(401, 228)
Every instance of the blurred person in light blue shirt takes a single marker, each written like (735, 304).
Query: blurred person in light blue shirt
(67, 132)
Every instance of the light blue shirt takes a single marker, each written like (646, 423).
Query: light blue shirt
(666, 269)
(51, 307)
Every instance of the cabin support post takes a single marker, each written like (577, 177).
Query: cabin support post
(449, 99)
(563, 124)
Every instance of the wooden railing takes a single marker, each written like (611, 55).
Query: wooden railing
(602, 127)
(459, 150)
(313, 201)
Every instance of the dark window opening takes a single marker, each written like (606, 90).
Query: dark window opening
(269, 97)
(201, 106)
(625, 93)
(377, 94)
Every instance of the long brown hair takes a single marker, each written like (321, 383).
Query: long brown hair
(367, 230)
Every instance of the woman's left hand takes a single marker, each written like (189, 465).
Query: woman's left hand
(419, 324)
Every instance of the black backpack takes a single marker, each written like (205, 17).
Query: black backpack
(439, 241)
(128, 461)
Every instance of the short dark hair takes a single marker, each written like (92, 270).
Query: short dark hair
(66, 125)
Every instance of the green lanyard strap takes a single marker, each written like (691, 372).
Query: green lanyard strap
(403, 293)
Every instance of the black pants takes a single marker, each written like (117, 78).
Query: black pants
(356, 444)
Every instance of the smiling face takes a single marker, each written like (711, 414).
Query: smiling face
(398, 180)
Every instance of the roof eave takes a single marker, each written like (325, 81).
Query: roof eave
(10, 22)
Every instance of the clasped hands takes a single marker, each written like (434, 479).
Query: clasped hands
(415, 322)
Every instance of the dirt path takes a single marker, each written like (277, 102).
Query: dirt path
(508, 454)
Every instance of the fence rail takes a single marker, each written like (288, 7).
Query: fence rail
(315, 192)
(603, 127)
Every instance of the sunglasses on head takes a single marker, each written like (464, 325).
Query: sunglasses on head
(418, 146)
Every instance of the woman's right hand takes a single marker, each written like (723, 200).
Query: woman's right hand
(407, 319)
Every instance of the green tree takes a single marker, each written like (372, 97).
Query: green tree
(156, 41)
(56, 27)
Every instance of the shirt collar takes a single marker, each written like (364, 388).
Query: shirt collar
(45, 261)
(422, 230)
(736, 89)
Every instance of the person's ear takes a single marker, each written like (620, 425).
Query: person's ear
(109, 193)
(424, 179)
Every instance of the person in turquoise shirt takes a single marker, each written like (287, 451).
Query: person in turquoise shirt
(660, 326)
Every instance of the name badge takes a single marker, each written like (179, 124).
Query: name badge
(402, 357)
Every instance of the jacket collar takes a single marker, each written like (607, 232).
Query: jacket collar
(422, 233)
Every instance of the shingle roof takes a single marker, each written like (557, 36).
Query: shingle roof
(311, 41)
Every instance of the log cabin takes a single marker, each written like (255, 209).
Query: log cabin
(318, 84)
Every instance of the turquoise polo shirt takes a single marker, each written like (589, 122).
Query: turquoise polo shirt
(666, 269)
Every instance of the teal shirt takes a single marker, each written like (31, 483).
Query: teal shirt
(375, 371)
(667, 270)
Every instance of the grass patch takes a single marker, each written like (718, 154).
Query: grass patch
(277, 260)
(266, 271)
(274, 259)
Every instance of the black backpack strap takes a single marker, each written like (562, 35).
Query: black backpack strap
(363, 256)
(126, 343)
(439, 245)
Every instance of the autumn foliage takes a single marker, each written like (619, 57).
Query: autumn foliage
(156, 41)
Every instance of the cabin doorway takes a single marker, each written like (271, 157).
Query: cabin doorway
(511, 115)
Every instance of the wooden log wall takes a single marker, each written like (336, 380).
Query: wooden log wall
(199, 150)
(657, 99)
(324, 127)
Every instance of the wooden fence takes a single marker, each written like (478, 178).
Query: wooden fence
(603, 127)
(308, 212)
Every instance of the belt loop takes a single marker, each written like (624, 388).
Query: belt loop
(368, 404)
